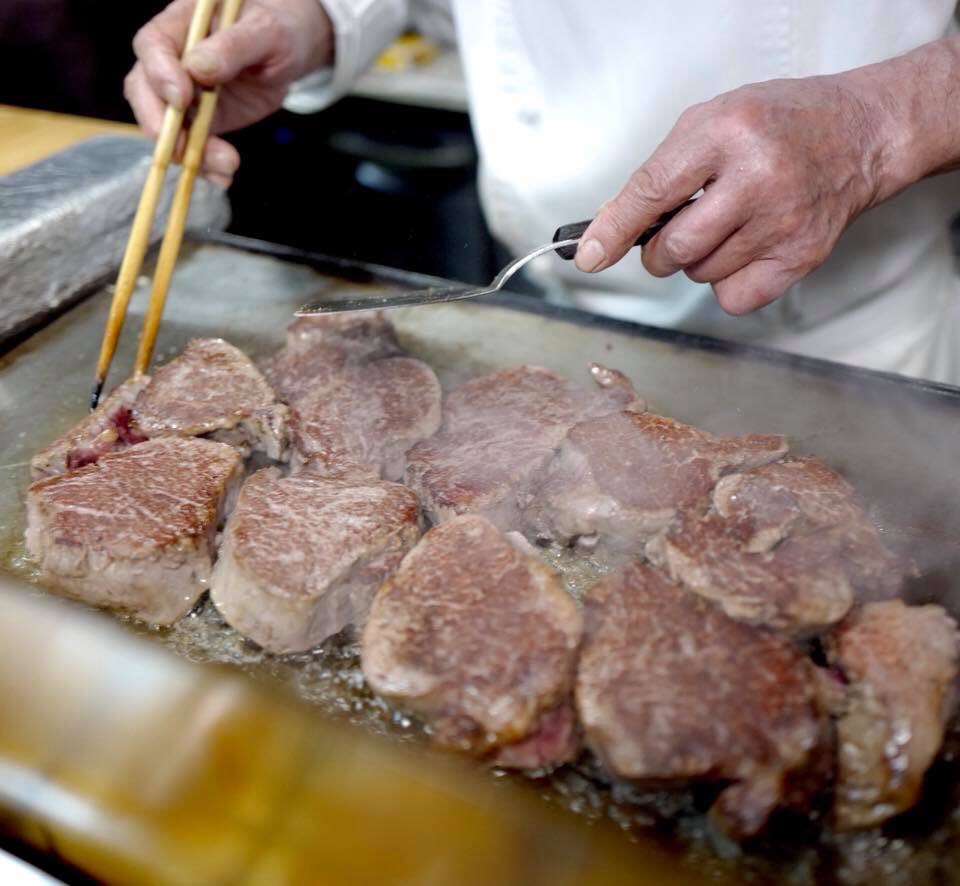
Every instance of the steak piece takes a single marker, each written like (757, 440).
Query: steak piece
(135, 531)
(106, 429)
(670, 690)
(479, 639)
(621, 478)
(785, 544)
(900, 664)
(366, 413)
(367, 335)
(213, 389)
(499, 433)
(799, 495)
(798, 586)
(319, 345)
(354, 400)
(303, 556)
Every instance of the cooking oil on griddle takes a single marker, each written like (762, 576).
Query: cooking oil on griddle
(918, 850)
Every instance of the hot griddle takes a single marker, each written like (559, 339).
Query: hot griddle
(898, 440)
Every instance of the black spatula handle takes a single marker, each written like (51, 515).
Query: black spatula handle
(575, 231)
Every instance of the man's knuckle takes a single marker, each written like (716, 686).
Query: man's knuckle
(267, 21)
(740, 131)
(800, 240)
(790, 224)
(698, 274)
(618, 219)
(143, 40)
(822, 252)
(727, 294)
(656, 262)
(260, 16)
(129, 84)
(810, 258)
(679, 248)
(284, 42)
(649, 185)
(749, 109)
(693, 115)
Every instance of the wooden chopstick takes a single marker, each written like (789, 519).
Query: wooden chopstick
(173, 236)
(139, 238)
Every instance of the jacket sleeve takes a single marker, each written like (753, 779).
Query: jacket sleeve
(434, 19)
(362, 29)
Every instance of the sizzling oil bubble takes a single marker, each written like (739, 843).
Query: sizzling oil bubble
(328, 676)
(578, 569)
(15, 559)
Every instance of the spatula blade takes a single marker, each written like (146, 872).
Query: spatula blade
(373, 301)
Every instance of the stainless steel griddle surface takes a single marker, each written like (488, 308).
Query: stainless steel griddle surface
(897, 440)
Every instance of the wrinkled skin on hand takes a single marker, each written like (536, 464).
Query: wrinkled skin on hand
(273, 43)
(785, 166)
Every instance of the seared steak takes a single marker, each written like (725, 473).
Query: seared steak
(104, 430)
(303, 556)
(354, 401)
(499, 433)
(213, 389)
(899, 663)
(798, 586)
(367, 335)
(366, 413)
(319, 345)
(621, 478)
(799, 495)
(136, 530)
(479, 639)
(785, 544)
(670, 690)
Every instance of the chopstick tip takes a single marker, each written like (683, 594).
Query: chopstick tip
(95, 393)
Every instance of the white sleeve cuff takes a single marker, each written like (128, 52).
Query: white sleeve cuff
(362, 30)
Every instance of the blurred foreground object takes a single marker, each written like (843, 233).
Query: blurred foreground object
(136, 766)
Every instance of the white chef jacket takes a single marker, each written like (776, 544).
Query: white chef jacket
(569, 97)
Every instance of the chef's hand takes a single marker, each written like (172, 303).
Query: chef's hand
(273, 43)
(785, 166)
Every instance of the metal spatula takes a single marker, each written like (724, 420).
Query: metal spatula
(564, 243)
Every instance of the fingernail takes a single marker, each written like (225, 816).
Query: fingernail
(203, 61)
(171, 95)
(590, 255)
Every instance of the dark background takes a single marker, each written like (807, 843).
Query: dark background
(367, 180)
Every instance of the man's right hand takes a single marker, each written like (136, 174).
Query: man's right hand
(273, 43)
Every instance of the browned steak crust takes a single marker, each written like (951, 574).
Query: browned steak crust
(499, 433)
(786, 544)
(106, 429)
(213, 389)
(319, 345)
(900, 664)
(671, 691)
(303, 556)
(479, 639)
(368, 413)
(621, 478)
(136, 530)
